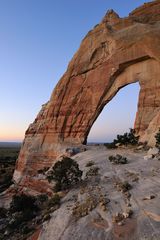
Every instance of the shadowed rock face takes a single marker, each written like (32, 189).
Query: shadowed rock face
(116, 52)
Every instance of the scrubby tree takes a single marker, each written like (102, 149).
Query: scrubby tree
(23, 202)
(65, 173)
(127, 138)
(23, 208)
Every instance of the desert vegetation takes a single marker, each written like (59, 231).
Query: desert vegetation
(8, 156)
(93, 171)
(128, 138)
(65, 173)
(89, 164)
(82, 195)
(83, 209)
(118, 159)
(25, 213)
(120, 217)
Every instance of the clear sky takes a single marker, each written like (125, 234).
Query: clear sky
(37, 40)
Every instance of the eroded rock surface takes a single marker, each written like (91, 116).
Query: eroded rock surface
(116, 52)
(119, 202)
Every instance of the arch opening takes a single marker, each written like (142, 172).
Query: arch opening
(117, 116)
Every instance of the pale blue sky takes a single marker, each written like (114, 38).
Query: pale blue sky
(117, 116)
(37, 40)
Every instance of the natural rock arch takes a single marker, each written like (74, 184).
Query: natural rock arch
(115, 53)
(117, 116)
(140, 72)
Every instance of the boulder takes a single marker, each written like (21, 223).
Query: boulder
(153, 151)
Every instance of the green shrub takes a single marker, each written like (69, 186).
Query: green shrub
(157, 137)
(18, 218)
(23, 202)
(110, 145)
(123, 186)
(23, 208)
(93, 171)
(84, 208)
(42, 198)
(57, 187)
(65, 173)
(15, 221)
(118, 159)
(55, 200)
(127, 138)
(41, 201)
(89, 164)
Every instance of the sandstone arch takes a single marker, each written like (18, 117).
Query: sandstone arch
(115, 53)
(117, 116)
(140, 72)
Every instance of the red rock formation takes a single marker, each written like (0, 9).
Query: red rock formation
(116, 52)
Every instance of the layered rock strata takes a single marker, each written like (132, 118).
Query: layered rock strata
(115, 53)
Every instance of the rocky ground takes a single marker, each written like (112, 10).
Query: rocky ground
(118, 199)
(115, 201)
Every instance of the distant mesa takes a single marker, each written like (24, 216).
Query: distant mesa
(10, 144)
(117, 52)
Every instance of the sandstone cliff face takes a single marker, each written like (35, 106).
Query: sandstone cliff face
(114, 53)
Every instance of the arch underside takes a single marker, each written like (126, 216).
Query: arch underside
(141, 72)
(111, 56)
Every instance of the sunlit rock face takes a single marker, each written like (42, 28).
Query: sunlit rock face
(116, 52)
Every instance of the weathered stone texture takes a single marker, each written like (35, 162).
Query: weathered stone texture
(116, 52)
(98, 223)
